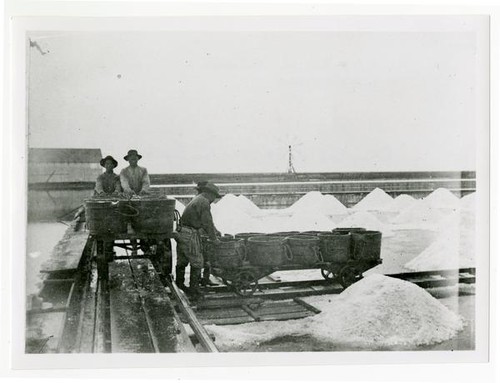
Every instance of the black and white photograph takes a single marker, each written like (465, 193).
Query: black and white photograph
(263, 185)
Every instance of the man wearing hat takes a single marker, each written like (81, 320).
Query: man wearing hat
(108, 182)
(134, 179)
(196, 219)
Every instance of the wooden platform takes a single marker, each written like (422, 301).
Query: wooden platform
(142, 318)
(244, 310)
(67, 253)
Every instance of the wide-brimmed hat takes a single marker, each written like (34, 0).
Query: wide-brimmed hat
(200, 185)
(130, 153)
(210, 188)
(103, 161)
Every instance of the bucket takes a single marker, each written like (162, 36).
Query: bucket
(153, 216)
(103, 217)
(284, 233)
(314, 232)
(226, 254)
(336, 246)
(349, 229)
(267, 251)
(304, 249)
(366, 245)
(245, 236)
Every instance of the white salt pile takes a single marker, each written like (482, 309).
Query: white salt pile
(303, 220)
(402, 202)
(377, 199)
(232, 202)
(179, 206)
(454, 249)
(366, 220)
(232, 221)
(377, 311)
(468, 202)
(316, 203)
(419, 216)
(387, 311)
(442, 199)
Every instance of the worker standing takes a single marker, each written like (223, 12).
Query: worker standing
(134, 178)
(197, 218)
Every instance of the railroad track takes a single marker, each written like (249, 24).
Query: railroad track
(276, 300)
(97, 318)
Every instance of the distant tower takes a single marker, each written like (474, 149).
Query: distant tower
(291, 169)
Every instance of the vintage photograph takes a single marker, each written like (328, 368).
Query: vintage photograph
(263, 185)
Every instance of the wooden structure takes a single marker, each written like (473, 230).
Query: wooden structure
(59, 180)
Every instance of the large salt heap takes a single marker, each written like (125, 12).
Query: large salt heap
(454, 248)
(232, 202)
(366, 220)
(442, 199)
(316, 203)
(231, 215)
(468, 202)
(380, 310)
(377, 311)
(377, 199)
(304, 220)
(402, 202)
(419, 216)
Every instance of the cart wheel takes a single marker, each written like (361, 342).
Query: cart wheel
(328, 274)
(349, 275)
(245, 284)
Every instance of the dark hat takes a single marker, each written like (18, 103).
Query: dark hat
(132, 152)
(103, 161)
(210, 188)
(200, 185)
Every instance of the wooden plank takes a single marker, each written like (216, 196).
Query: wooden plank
(233, 302)
(86, 326)
(213, 313)
(307, 305)
(157, 305)
(129, 330)
(228, 321)
(67, 253)
(286, 316)
(262, 312)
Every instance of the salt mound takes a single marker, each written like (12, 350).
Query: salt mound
(366, 220)
(230, 202)
(306, 220)
(248, 205)
(419, 215)
(388, 311)
(442, 198)
(377, 311)
(317, 203)
(377, 199)
(454, 249)
(468, 202)
(402, 202)
(233, 221)
(179, 206)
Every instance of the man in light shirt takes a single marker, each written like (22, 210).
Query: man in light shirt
(134, 178)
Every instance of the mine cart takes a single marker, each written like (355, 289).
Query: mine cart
(140, 223)
(342, 255)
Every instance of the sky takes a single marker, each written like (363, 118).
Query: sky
(215, 101)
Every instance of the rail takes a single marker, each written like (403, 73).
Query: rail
(201, 334)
